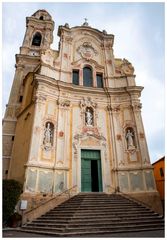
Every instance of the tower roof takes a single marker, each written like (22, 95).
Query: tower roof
(42, 13)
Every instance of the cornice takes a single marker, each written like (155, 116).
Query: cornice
(81, 89)
(37, 165)
(85, 28)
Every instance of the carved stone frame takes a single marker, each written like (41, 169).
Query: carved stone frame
(77, 146)
(88, 103)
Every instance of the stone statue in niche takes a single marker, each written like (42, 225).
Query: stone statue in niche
(130, 141)
(89, 117)
(48, 135)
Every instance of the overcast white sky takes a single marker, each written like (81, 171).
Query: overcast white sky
(139, 37)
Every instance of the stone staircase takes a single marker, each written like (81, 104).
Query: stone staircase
(96, 214)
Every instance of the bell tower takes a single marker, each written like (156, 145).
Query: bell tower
(39, 33)
(38, 37)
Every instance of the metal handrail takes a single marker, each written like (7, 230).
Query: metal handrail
(54, 197)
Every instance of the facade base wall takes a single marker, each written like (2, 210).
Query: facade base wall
(150, 199)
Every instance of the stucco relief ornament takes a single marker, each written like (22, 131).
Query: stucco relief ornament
(87, 51)
(123, 67)
(87, 102)
(47, 57)
(127, 67)
(64, 103)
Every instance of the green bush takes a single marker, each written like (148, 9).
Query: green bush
(11, 193)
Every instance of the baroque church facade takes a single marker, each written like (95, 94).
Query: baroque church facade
(74, 115)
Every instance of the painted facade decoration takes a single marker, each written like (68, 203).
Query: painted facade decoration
(66, 122)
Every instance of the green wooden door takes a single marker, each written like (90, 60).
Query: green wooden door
(86, 175)
(86, 171)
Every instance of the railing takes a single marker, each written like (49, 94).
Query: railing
(46, 206)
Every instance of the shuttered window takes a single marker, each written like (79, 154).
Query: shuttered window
(75, 77)
(87, 77)
(99, 79)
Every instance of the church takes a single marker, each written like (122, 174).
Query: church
(74, 116)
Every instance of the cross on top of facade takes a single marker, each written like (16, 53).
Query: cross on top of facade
(85, 23)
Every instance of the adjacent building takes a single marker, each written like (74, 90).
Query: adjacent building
(159, 173)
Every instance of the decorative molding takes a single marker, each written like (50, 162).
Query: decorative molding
(123, 67)
(122, 163)
(114, 109)
(64, 103)
(68, 39)
(87, 102)
(119, 137)
(85, 135)
(109, 61)
(141, 135)
(131, 150)
(40, 99)
(92, 134)
(108, 46)
(47, 57)
(136, 106)
(87, 51)
(88, 110)
(61, 134)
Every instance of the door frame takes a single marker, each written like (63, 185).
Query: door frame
(102, 165)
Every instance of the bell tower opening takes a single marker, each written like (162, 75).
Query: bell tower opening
(37, 39)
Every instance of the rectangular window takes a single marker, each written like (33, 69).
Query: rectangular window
(99, 78)
(21, 99)
(161, 172)
(75, 77)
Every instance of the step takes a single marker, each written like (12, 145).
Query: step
(93, 214)
(96, 228)
(94, 223)
(100, 218)
(82, 207)
(98, 202)
(61, 221)
(94, 204)
(112, 223)
(43, 228)
(111, 227)
(87, 234)
(102, 213)
(98, 211)
(39, 224)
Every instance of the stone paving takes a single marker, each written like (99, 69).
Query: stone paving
(12, 233)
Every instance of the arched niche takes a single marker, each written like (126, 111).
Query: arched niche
(48, 134)
(130, 138)
(89, 116)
